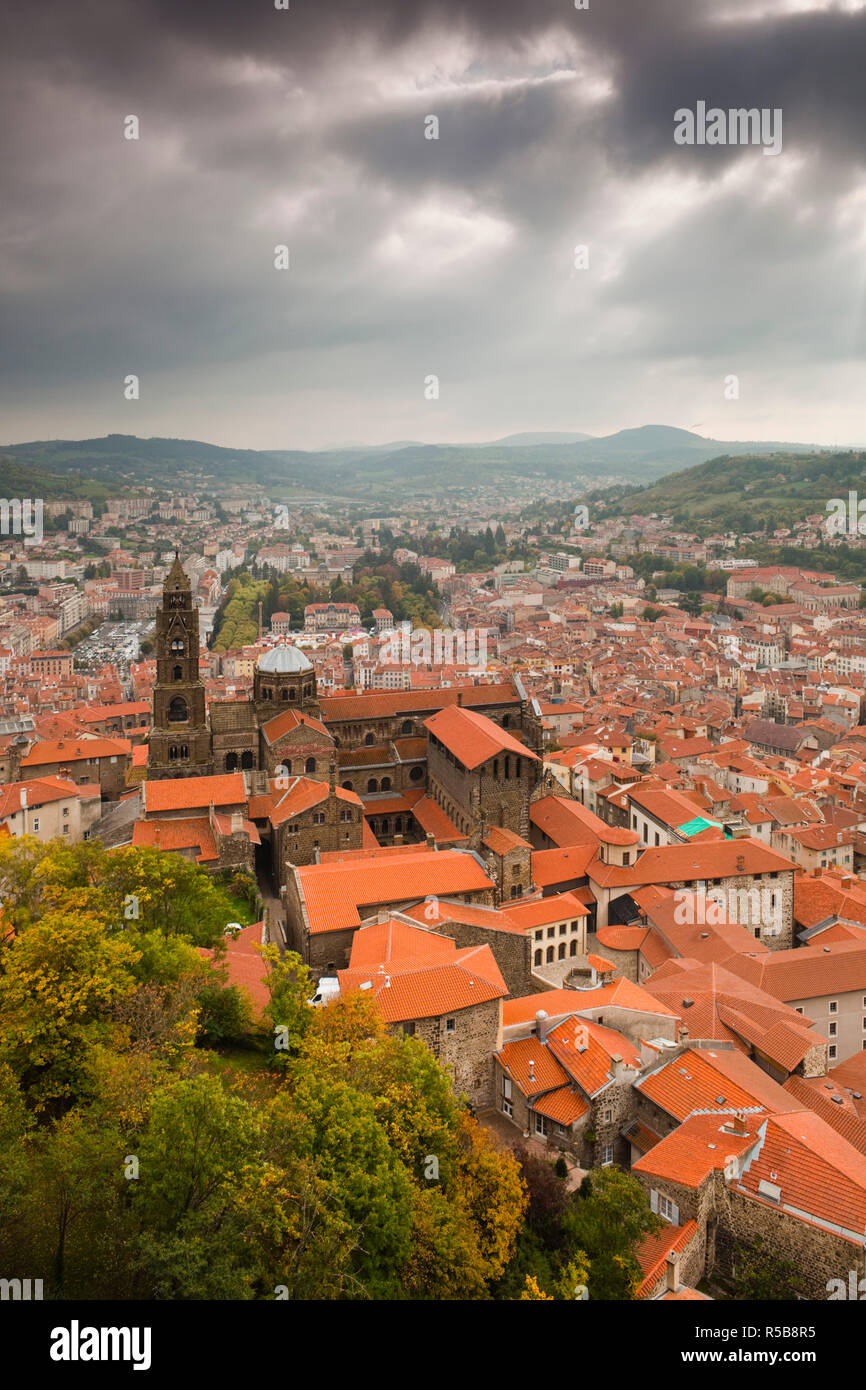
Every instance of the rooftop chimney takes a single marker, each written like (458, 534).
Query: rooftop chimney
(672, 1273)
(541, 1024)
(682, 1035)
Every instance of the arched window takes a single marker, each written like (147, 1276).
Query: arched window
(231, 761)
(386, 784)
(178, 712)
(538, 956)
(573, 949)
(386, 826)
(398, 825)
(184, 750)
(549, 954)
(310, 765)
(177, 646)
(562, 950)
(284, 694)
(292, 693)
(517, 767)
(415, 774)
(506, 721)
(406, 726)
(347, 787)
(507, 766)
(246, 759)
(495, 767)
(177, 673)
(372, 785)
(369, 740)
(267, 694)
(172, 752)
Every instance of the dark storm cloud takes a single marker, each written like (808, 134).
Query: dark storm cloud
(411, 256)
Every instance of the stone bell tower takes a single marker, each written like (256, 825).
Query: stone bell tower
(180, 741)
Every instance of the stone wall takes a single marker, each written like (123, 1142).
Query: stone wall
(511, 951)
(467, 1052)
(818, 1255)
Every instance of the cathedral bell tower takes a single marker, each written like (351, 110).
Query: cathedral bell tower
(180, 741)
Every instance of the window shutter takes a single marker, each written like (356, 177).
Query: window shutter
(654, 1200)
(675, 1214)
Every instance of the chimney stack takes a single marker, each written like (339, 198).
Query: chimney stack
(682, 1035)
(672, 1273)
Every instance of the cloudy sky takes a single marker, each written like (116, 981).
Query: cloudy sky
(412, 257)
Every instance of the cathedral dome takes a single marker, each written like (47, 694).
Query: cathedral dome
(284, 660)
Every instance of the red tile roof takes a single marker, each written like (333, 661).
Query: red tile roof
(712, 1079)
(181, 793)
(333, 893)
(473, 738)
(38, 791)
(385, 704)
(501, 841)
(552, 866)
(246, 966)
(567, 822)
(652, 1253)
(819, 1173)
(408, 989)
(559, 907)
(564, 1106)
(698, 1147)
(74, 750)
(591, 1067)
(381, 942)
(545, 1074)
(433, 821)
(290, 719)
(808, 972)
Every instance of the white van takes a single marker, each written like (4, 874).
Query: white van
(327, 988)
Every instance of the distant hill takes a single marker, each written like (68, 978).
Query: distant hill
(365, 474)
(742, 493)
(512, 441)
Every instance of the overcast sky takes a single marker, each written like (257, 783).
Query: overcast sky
(411, 257)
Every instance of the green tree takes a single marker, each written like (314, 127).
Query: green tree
(60, 979)
(761, 1275)
(608, 1219)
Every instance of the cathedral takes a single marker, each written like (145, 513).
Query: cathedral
(449, 766)
(280, 727)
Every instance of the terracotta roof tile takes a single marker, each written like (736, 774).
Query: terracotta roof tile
(473, 738)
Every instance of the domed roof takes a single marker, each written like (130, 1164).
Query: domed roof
(284, 659)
